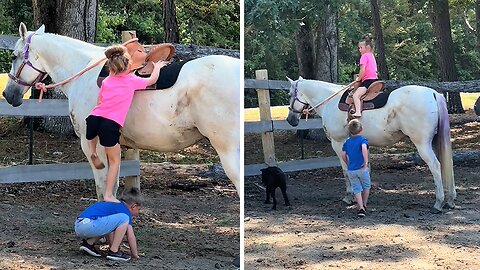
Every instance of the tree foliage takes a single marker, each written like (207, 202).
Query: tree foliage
(409, 38)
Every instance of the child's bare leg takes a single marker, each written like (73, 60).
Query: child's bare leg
(113, 155)
(109, 238)
(118, 235)
(356, 100)
(359, 200)
(365, 194)
(92, 146)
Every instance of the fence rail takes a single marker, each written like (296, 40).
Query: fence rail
(51, 172)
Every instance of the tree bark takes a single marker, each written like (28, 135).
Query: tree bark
(73, 18)
(170, 25)
(305, 52)
(477, 29)
(326, 48)
(440, 16)
(380, 45)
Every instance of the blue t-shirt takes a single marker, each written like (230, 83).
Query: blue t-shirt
(353, 147)
(102, 209)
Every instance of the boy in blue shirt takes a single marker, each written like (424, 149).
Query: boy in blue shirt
(112, 220)
(355, 155)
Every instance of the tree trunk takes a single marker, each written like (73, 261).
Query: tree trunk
(326, 48)
(477, 28)
(305, 52)
(170, 25)
(446, 60)
(76, 19)
(380, 46)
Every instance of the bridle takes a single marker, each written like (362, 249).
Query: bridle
(26, 62)
(295, 98)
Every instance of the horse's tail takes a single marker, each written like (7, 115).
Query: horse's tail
(443, 145)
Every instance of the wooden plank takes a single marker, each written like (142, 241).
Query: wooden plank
(314, 123)
(58, 172)
(295, 165)
(258, 126)
(267, 84)
(31, 107)
(266, 126)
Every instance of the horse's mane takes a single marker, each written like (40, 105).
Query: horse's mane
(76, 45)
(314, 84)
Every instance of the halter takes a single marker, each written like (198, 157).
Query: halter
(16, 77)
(295, 98)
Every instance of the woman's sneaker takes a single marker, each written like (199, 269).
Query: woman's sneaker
(90, 249)
(361, 213)
(117, 256)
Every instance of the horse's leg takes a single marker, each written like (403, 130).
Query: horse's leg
(337, 147)
(132, 181)
(230, 159)
(427, 154)
(100, 175)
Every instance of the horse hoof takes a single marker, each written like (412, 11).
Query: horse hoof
(435, 211)
(449, 206)
(236, 261)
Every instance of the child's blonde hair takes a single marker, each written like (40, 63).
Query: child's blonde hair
(367, 41)
(354, 127)
(132, 196)
(118, 58)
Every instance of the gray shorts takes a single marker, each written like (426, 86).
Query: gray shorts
(89, 228)
(359, 180)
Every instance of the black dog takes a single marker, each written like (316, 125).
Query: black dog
(273, 177)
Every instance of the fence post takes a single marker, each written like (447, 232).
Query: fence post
(131, 154)
(265, 115)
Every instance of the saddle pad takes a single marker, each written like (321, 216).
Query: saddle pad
(168, 75)
(378, 102)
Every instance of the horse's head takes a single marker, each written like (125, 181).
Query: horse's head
(298, 103)
(26, 68)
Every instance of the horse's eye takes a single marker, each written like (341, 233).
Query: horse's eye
(14, 57)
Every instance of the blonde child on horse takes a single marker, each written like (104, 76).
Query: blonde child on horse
(114, 100)
(367, 74)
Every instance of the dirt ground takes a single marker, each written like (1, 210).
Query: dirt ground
(320, 232)
(190, 218)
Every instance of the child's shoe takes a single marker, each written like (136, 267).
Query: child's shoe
(90, 249)
(361, 213)
(117, 256)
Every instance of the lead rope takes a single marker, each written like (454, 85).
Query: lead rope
(308, 111)
(43, 88)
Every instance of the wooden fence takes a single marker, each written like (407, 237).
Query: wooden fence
(266, 126)
(51, 172)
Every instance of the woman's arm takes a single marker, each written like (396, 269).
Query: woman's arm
(132, 242)
(361, 73)
(156, 72)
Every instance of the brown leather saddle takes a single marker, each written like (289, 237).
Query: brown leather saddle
(141, 60)
(374, 98)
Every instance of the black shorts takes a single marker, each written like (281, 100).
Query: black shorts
(108, 131)
(367, 83)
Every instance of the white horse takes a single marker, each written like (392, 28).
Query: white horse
(414, 111)
(204, 102)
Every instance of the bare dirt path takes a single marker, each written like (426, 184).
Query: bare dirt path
(190, 218)
(320, 232)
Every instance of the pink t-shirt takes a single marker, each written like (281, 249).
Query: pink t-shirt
(116, 95)
(368, 60)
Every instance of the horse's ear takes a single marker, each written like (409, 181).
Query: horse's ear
(300, 77)
(290, 80)
(22, 31)
(41, 30)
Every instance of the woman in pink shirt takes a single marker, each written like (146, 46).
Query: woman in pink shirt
(368, 71)
(114, 100)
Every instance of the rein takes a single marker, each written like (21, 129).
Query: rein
(308, 111)
(41, 86)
